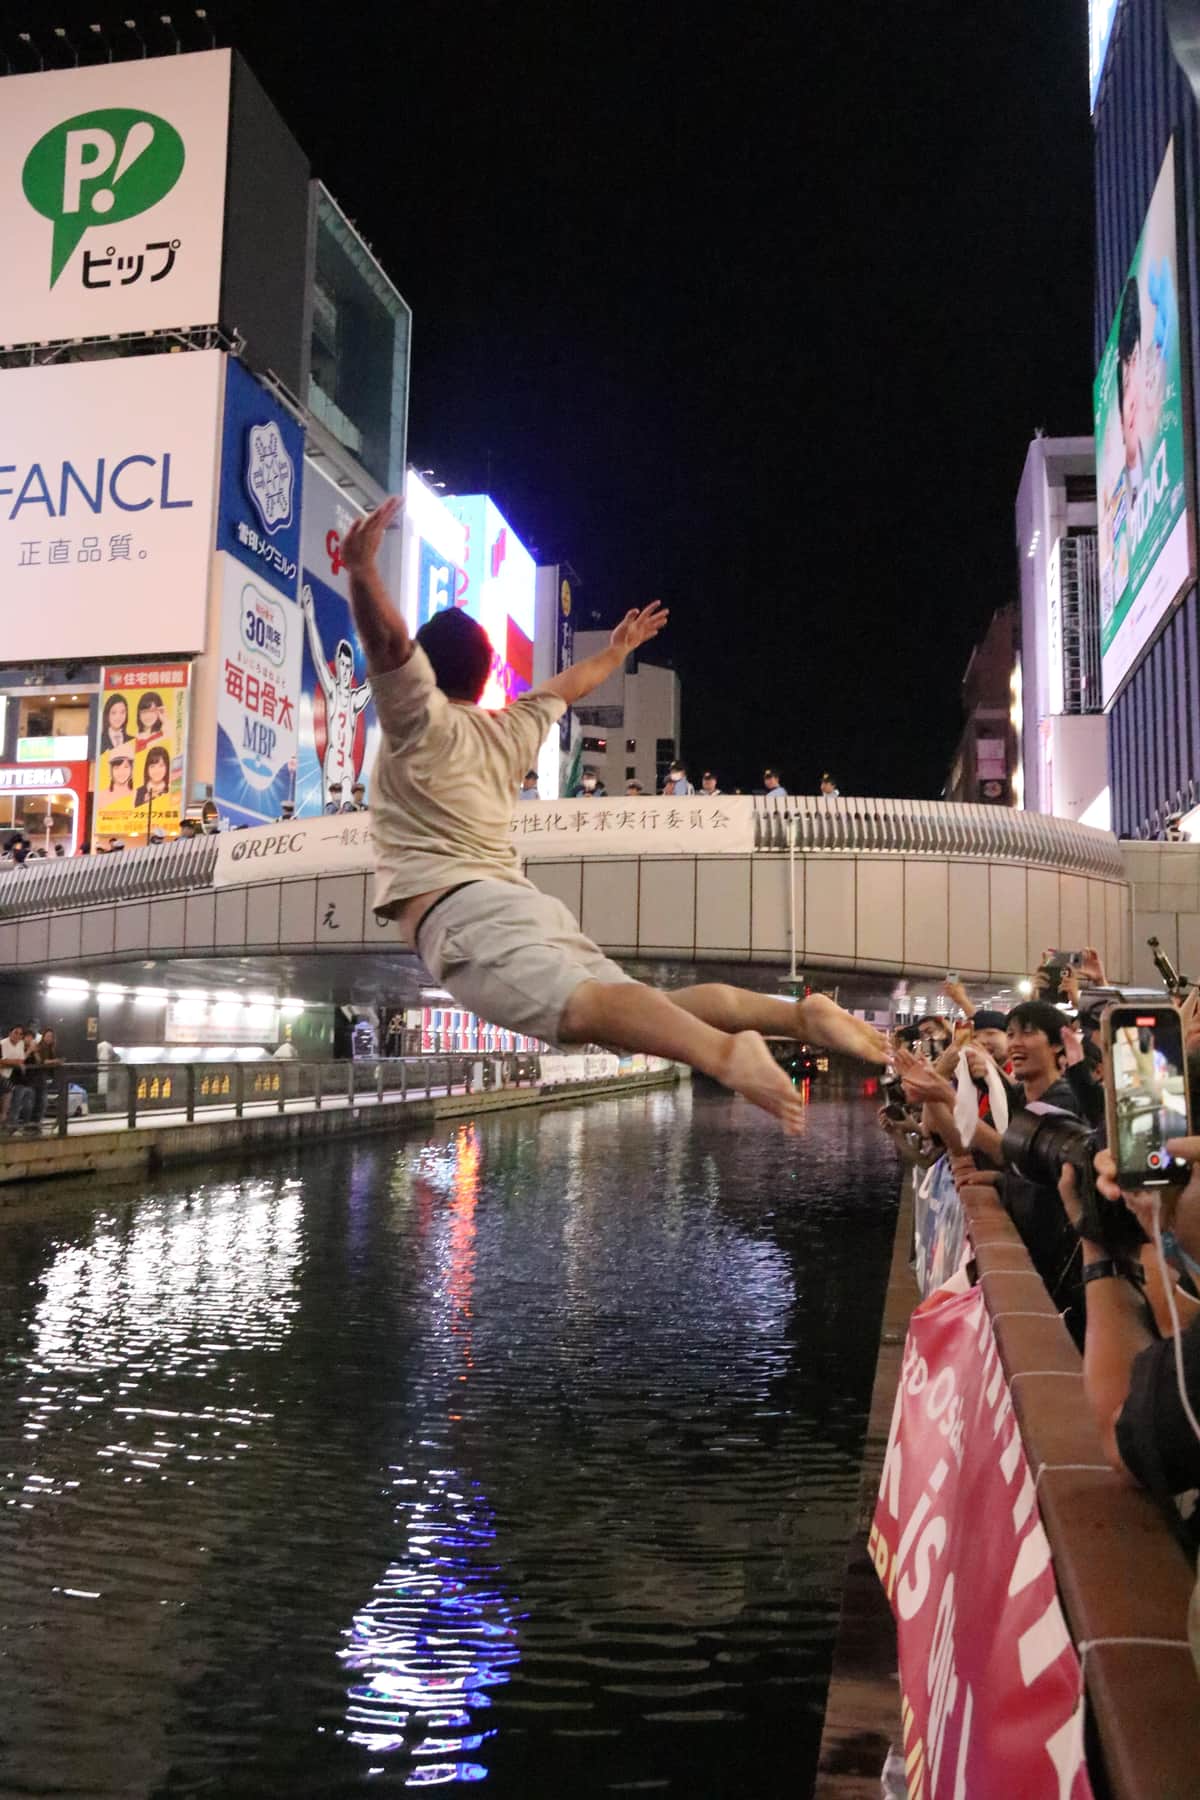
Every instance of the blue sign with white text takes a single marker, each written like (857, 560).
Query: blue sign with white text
(262, 459)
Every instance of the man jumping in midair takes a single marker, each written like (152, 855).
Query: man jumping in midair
(343, 703)
(444, 788)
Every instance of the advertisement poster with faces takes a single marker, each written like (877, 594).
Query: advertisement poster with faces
(1145, 545)
(140, 751)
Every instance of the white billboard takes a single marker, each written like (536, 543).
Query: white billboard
(434, 549)
(108, 474)
(112, 197)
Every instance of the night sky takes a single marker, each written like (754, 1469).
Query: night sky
(754, 310)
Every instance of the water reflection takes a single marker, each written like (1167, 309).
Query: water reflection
(528, 1451)
(439, 1630)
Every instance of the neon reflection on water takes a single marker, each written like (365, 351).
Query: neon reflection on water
(439, 1630)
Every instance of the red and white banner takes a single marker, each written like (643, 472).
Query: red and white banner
(991, 1694)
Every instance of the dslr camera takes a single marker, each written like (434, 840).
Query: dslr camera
(1038, 1145)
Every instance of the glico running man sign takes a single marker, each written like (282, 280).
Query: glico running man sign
(112, 197)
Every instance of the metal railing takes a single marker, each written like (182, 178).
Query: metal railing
(933, 828)
(87, 1096)
(803, 824)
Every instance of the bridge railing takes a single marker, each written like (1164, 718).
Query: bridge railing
(799, 823)
(933, 828)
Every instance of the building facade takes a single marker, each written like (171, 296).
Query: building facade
(986, 764)
(630, 725)
(1062, 766)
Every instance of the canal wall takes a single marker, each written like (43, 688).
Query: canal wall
(1123, 1581)
(123, 1153)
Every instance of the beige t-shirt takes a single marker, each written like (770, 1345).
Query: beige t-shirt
(445, 781)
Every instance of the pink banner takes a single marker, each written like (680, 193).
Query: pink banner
(990, 1683)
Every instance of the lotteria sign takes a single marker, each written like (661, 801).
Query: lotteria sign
(112, 196)
(107, 489)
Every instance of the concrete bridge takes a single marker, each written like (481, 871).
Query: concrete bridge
(880, 888)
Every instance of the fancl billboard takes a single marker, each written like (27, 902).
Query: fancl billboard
(1146, 551)
(107, 491)
(112, 197)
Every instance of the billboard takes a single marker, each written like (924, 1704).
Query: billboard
(262, 460)
(1101, 14)
(107, 487)
(496, 585)
(258, 694)
(433, 553)
(338, 730)
(1144, 530)
(112, 197)
(141, 747)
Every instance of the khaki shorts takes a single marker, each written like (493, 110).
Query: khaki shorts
(511, 954)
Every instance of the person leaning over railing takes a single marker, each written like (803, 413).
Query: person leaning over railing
(1141, 1352)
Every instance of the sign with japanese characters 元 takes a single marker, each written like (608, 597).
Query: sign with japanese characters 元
(112, 197)
(990, 1692)
(258, 687)
(141, 747)
(262, 461)
(107, 492)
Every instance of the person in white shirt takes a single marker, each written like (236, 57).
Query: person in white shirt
(12, 1061)
(447, 867)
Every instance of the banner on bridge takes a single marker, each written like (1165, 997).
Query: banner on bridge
(341, 843)
(990, 1683)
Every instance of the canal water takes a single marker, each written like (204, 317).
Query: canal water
(524, 1454)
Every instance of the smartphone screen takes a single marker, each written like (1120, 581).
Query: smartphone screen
(1148, 1099)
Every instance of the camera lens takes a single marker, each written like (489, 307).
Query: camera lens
(1038, 1145)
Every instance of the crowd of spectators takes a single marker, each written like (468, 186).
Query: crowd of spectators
(676, 784)
(1123, 1267)
(27, 1060)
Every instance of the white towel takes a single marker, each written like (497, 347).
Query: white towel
(966, 1106)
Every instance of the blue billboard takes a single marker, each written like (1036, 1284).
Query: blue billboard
(262, 462)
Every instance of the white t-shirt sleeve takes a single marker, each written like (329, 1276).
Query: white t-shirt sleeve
(410, 705)
(525, 724)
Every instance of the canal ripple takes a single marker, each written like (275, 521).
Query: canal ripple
(525, 1455)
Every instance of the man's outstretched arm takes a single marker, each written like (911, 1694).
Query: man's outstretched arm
(635, 629)
(379, 622)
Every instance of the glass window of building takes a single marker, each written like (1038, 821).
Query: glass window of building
(358, 384)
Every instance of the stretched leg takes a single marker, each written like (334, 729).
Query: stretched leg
(815, 1020)
(629, 1016)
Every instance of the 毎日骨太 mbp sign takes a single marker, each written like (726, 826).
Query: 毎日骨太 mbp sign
(112, 197)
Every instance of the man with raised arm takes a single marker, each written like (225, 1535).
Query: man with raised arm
(443, 793)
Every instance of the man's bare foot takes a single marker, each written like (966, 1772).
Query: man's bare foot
(820, 1020)
(750, 1070)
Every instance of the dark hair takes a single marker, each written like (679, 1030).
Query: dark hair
(1129, 333)
(774, 772)
(460, 651)
(147, 701)
(113, 700)
(345, 648)
(1038, 1015)
(157, 753)
(531, 774)
(989, 1019)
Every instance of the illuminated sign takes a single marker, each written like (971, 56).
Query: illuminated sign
(1101, 14)
(112, 196)
(433, 551)
(52, 749)
(496, 585)
(107, 495)
(1143, 529)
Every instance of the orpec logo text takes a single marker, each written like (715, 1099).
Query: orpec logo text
(98, 169)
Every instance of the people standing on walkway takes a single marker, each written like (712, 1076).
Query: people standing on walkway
(49, 1062)
(448, 871)
(829, 786)
(12, 1059)
(591, 787)
(772, 785)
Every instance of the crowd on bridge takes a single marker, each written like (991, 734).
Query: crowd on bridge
(1012, 1104)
